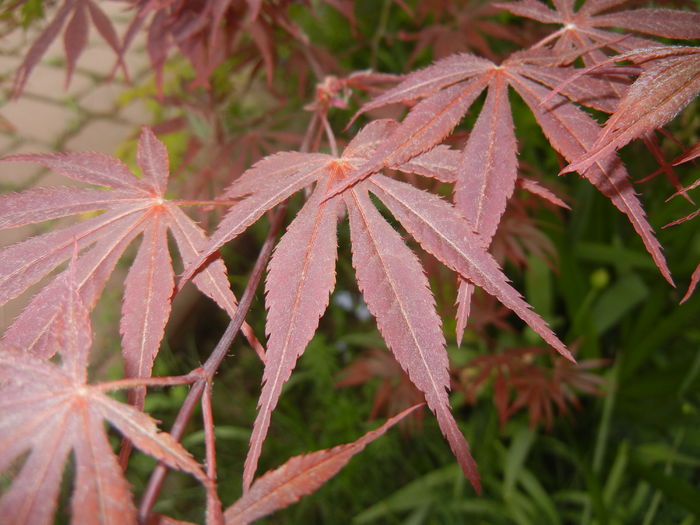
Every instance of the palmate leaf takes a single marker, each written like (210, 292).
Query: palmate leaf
(537, 388)
(49, 411)
(301, 271)
(669, 82)
(73, 14)
(489, 171)
(585, 31)
(299, 476)
(206, 33)
(582, 28)
(448, 88)
(134, 206)
(397, 293)
(483, 182)
(572, 132)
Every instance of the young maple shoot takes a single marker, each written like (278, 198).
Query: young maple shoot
(50, 410)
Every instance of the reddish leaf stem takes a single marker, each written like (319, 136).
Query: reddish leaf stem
(134, 382)
(212, 364)
(329, 135)
(180, 202)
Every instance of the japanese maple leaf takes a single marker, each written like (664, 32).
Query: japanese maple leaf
(73, 14)
(670, 82)
(205, 33)
(585, 30)
(299, 476)
(49, 412)
(301, 272)
(133, 206)
(691, 154)
(582, 28)
(487, 172)
(537, 388)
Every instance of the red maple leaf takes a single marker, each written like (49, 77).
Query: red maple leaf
(50, 411)
(487, 170)
(582, 29)
(535, 387)
(669, 81)
(299, 476)
(301, 273)
(134, 206)
(75, 37)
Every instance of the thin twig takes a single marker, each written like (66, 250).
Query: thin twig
(215, 515)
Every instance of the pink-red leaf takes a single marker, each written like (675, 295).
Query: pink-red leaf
(136, 206)
(147, 292)
(440, 162)
(299, 476)
(75, 38)
(668, 23)
(32, 330)
(573, 133)
(153, 161)
(488, 167)
(486, 177)
(300, 278)
(442, 231)
(24, 263)
(93, 168)
(42, 204)
(531, 9)
(397, 294)
(47, 410)
(41, 44)
(692, 153)
(541, 191)
(660, 92)
(694, 279)
(425, 82)
(104, 26)
(428, 123)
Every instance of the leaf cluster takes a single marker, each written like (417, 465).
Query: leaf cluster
(419, 181)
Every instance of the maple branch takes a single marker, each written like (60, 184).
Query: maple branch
(212, 364)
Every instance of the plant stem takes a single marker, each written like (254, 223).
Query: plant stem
(329, 135)
(203, 203)
(134, 382)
